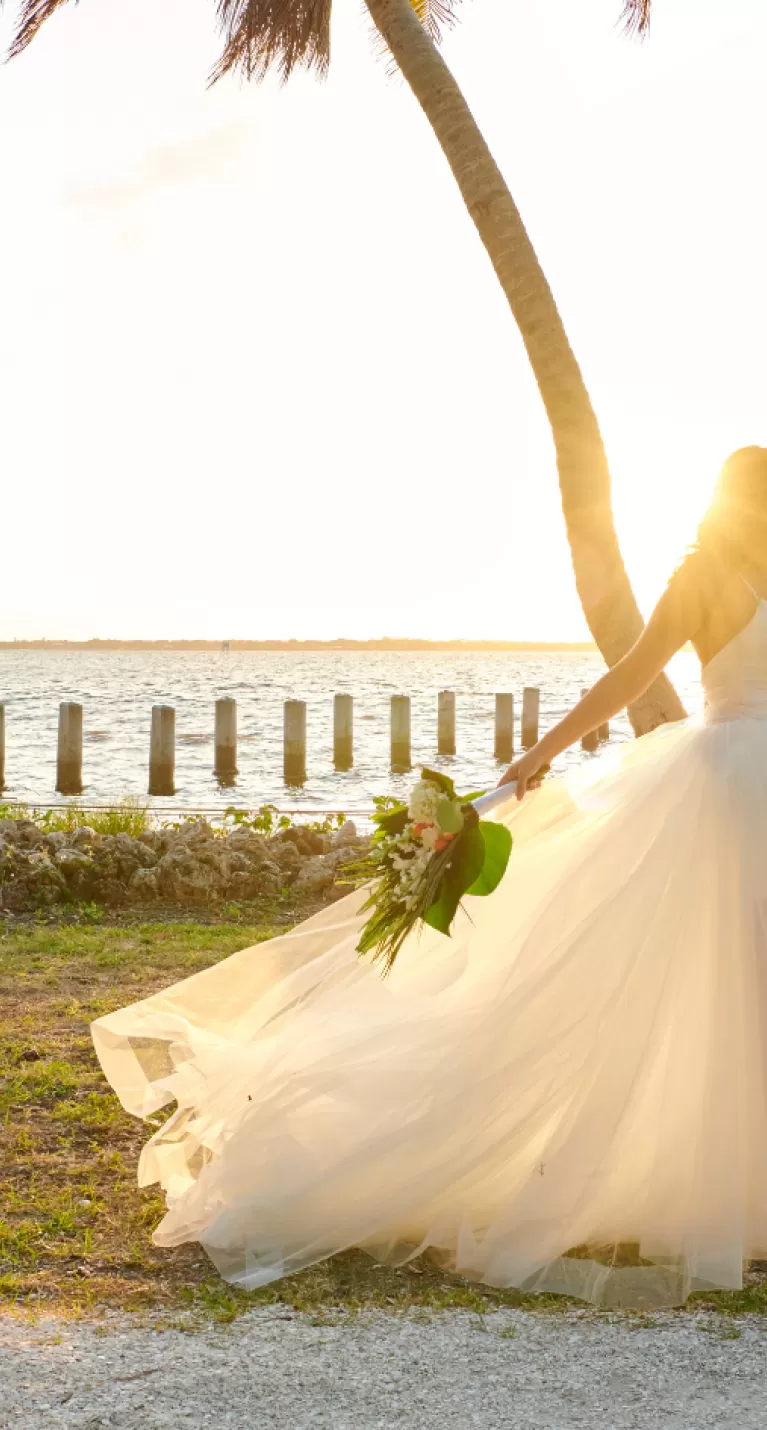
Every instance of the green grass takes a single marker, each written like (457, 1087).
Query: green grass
(132, 817)
(129, 817)
(75, 1233)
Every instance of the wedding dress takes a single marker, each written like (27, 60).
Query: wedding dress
(569, 1095)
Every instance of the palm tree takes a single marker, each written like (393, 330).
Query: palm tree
(261, 35)
(636, 16)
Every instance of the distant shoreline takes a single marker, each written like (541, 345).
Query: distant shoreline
(385, 644)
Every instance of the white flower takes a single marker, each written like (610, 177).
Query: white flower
(429, 836)
(423, 803)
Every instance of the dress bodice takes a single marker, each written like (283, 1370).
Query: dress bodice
(735, 680)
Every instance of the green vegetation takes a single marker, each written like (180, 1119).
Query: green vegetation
(129, 817)
(75, 1230)
(133, 818)
(267, 820)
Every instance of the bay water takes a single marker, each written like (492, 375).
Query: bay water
(118, 688)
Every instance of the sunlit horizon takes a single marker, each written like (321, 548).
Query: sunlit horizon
(259, 379)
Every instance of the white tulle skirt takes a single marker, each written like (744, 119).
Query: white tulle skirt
(569, 1095)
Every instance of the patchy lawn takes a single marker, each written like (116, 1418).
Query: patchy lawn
(75, 1230)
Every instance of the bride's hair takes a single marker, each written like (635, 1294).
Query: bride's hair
(733, 533)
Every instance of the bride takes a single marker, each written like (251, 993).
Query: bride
(570, 1094)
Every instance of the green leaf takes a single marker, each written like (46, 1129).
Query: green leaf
(470, 857)
(497, 841)
(463, 869)
(449, 816)
(385, 803)
(470, 798)
(442, 782)
(442, 912)
(394, 822)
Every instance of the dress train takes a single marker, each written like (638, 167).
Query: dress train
(568, 1095)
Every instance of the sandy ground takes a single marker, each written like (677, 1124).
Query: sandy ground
(275, 1370)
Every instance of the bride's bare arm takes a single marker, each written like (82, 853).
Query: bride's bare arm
(672, 623)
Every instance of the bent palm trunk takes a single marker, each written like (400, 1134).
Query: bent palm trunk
(584, 477)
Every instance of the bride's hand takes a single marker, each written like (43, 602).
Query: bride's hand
(528, 771)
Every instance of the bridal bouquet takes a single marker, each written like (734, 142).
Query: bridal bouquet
(426, 855)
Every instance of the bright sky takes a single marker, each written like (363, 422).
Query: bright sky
(258, 378)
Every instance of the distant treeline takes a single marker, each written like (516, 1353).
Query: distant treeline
(386, 643)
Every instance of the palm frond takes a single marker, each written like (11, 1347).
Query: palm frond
(435, 15)
(261, 35)
(636, 16)
(32, 15)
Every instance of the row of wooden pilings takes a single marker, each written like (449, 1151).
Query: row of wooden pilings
(162, 741)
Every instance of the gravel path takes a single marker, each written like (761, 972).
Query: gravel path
(275, 1371)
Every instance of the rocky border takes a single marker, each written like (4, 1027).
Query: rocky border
(192, 865)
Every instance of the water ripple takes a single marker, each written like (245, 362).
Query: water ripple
(118, 689)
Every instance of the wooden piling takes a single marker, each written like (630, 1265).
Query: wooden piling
(504, 728)
(294, 757)
(162, 750)
(590, 740)
(343, 732)
(531, 705)
(400, 733)
(69, 760)
(225, 759)
(446, 722)
(2, 748)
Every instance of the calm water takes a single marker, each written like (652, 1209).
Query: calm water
(117, 691)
